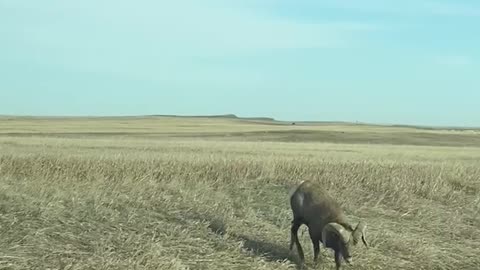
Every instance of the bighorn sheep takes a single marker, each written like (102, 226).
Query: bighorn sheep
(326, 222)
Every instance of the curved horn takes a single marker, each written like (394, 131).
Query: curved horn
(336, 229)
(360, 231)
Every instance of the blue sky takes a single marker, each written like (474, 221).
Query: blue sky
(410, 62)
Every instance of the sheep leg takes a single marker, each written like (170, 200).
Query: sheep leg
(315, 237)
(316, 250)
(294, 239)
(338, 260)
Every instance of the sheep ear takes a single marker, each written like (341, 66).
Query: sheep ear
(360, 231)
(337, 229)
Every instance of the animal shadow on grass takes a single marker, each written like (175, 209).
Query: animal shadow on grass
(270, 251)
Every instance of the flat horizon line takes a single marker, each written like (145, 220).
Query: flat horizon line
(252, 118)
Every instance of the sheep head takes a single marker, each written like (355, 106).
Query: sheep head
(340, 239)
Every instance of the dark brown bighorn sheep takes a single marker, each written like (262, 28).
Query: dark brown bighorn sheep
(326, 222)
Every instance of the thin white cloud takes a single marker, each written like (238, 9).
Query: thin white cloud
(225, 28)
(452, 9)
(409, 7)
(185, 25)
(452, 60)
(163, 40)
(160, 40)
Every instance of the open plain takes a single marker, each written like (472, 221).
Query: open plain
(212, 193)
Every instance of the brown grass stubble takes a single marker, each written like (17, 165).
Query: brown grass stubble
(195, 208)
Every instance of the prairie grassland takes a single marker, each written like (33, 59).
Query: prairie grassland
(213, 193)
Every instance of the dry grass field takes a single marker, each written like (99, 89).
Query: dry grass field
(200, 193)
